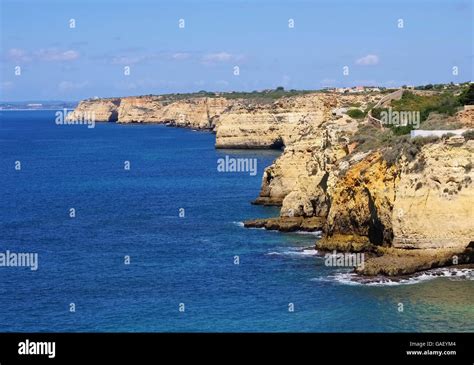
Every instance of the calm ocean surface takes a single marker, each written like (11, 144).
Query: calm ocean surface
(174, 260)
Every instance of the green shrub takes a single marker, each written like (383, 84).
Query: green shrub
(440, 121)
(467, 96)
(408, 147)
(421, 141)
(401, 130)
(468, 135)
(356, 113)
(377, 112)
(468, 168)
(445, 103)
(368, 138)
(369, 107)
(402, 146)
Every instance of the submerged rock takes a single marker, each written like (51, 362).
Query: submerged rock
(287, 224)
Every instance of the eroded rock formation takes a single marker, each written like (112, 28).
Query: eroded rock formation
(359, 200)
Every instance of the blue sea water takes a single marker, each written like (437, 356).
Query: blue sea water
(173, 260)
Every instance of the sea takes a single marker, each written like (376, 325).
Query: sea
(135, 230)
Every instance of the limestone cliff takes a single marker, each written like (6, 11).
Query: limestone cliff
(198, 113)
(300, 174)
(272, 125)
(102, 110)
(360, 199)
(365, 201)
(434, 202)
(361, 204)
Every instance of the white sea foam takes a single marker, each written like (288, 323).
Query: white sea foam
(313, 233)
(349, 278)
(295, 252)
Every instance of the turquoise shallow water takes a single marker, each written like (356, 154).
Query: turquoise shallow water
(174, 260)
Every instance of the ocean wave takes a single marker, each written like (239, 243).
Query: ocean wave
(294, 252)
(349, 278)
(241, 224)
(312, 233)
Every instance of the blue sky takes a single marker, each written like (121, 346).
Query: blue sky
(62, 63)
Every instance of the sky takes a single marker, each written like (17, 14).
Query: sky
(71, 50)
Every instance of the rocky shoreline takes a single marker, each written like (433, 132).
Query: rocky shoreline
(287, 224)
(408, 205)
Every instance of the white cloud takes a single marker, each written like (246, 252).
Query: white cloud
(213, 58)
(369, 60)
(180, 56)
(6, 85)
(18, 55)
(127, 60)
(133, 56)
(54, 54)
(217, 57)
(69, 85)
(44, 54)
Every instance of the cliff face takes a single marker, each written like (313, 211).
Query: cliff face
(357, 199)
(422, 204)
(362, 203)
(465, 117)
(103, 110)
(434, 203)
(238, 123)
(198, 113)
(297, 179)
(273, 125)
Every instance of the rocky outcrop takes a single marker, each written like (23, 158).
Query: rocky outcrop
(359, 199)
(399, 262)
(238, 123)
(198, 113)
(362, 203)
(298, 179)
(466, 116)
(287, 175)
(424, 205)
(287, 224)
(101, 110)
(434, 202)
(273, 125)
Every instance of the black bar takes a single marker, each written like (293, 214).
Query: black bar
(383, 348)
